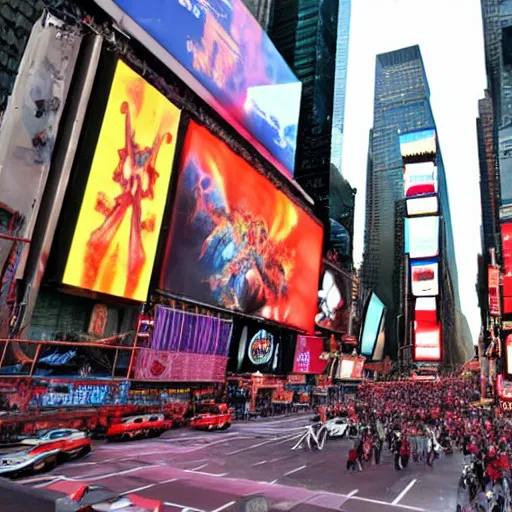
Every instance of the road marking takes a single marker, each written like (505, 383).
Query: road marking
(224, 507)
(404, 492)
(352, 493)
(148, 486)
(182, 507)
(253, 446)
(296, 470)
(295, 436)
(377, 502)
(203, 473)
(199, 467)
(258, 463)
(39, 479)
(273, 481)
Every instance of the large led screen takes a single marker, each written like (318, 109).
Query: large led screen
(506, 238)
(372, 325)
(493, 285)
(307, 355)
(422, 206)
(422, 236)
(334, 300)
(425, 278)
(237, 242)
(222, 53)
(116, 235)
(420, 179)
(427, 331)
(418, 142)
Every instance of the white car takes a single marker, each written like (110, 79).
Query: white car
(337, 427)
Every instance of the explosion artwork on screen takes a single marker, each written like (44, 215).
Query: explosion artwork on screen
(236, 241)
(117, 230)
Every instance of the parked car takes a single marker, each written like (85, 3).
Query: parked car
(137, 427)
(45, 452)
(212, 416)
(337, 427)
(96, 498)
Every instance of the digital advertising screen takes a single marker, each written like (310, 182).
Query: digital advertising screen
(219, 50)
(418, 142)
(506, 238)
(493, 285)
(371, 325)
(420, 179)
(422, 206)
(238, 243)
(508, 354)
(425, 278)
(422, 237)
(427, 331)
(116, 235)
(334, 300)
(307, 355)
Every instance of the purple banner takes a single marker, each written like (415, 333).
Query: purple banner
(180, 331)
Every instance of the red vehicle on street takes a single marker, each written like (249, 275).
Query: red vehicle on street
(212, 416)
(45, 452)
(137, 427)
(96, 498)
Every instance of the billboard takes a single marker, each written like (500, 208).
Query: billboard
(506, 238)
(222, 53)
(372, 325)
(116, 235)
(420, 179)
(422, 236)
(238, 243)
(427, 331)
(505, 160)
(418, 142)
(493, 282)
(508, 355)
(425, 278)
(307, 355)
(422, 205)
(335, 300)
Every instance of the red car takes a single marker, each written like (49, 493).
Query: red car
(96, 498)
(137, 427)
(46, 452)
(212, 417)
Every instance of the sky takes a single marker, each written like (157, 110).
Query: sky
(449, 33)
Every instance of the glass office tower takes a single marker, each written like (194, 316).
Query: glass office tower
(402, 105)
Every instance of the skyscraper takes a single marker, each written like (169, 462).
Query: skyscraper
(402, 105)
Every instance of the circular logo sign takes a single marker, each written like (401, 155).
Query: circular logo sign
(261, 347)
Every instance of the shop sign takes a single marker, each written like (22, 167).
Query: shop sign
(296, 379)
(282, 397)
(81, 395)
(505, 406)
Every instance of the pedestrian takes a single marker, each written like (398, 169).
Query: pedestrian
(353, 460)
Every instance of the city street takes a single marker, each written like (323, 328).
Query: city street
(198, 471)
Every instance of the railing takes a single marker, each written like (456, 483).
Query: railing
(87, 359)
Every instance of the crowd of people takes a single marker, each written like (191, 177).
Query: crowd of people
(418, 421)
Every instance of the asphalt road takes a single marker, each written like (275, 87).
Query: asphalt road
(208, 472)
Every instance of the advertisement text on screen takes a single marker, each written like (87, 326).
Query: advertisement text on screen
(223, 54)
(422, 205)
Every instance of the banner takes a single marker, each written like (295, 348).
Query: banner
(116, 235)
(494, 291)
(164, 366)
(282, 397)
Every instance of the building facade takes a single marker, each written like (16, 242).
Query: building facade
(401, 106)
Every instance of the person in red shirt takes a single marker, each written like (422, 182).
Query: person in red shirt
(353, 460)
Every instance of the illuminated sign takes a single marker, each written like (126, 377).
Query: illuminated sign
(261, 347)
(508, 354)
(236, 241)
(427, 331)
(422, 206)
(493, 279)
(116, 235)
(422, 236)
(222, 53)
(425, 278)
(420, 179)
(372, 325)
(418, 143)
(506, 238)
(307, 355)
